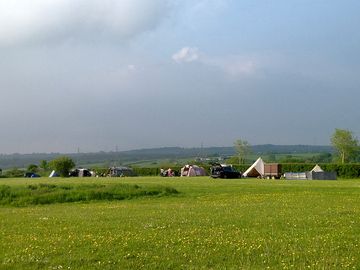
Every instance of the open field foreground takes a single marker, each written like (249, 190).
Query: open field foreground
(210, 224)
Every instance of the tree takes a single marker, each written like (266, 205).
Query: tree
(346, 145)
(243, 149)
(32, 168)
(62, 165)
(44, 165)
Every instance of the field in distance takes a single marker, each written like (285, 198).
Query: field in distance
(209, 224)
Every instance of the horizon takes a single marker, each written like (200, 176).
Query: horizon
(156, 148)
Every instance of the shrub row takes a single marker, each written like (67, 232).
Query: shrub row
(342, 170)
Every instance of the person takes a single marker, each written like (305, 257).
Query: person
(170, 173)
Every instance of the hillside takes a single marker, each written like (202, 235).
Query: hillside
(108, 158)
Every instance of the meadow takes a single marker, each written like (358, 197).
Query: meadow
(208, 224)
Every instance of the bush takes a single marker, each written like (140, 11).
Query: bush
(100, 171)
(62, 165)
(146, 171)
(241, 168)
(343, 170)
(14, 173)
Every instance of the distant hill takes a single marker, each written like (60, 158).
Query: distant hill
(23, 160)
(291, 149)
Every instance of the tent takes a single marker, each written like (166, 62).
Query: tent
(319, 174)
(256, 170)
(54, 174)
(317, 168)
(192, 170)
(315, 174)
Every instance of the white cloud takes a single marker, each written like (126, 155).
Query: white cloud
(231, 65)
(23, 20)
(186, 54)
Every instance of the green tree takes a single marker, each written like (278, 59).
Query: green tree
(346, 145)
(44, 165)
(32, 168)
(62, 165)
(243, 149)
(232, 160)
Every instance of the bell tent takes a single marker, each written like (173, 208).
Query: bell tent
(317, 168)
(256, 170)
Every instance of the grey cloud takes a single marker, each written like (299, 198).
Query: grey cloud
(37, 20)
(186, 54)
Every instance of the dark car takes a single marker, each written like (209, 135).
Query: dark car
(31, 175)
(224, 171)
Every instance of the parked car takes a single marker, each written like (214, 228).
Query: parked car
(224, 171)
(31, 175)
(81, 173)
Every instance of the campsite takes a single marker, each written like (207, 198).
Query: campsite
(180, 135)
(209, 224)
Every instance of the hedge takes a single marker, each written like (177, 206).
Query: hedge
(342, 170)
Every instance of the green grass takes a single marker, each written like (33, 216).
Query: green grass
(64, 193)
(211, 224)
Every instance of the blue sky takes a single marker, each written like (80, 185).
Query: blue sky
(96, 74)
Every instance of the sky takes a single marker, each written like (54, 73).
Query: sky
(101, 75)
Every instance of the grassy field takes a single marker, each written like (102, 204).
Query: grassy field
(210, 224)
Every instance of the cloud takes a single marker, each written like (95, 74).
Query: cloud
(186, 54)
(231, 65)
(24, 20)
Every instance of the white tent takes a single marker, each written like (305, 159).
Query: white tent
(317, 168)
(192, 170)
(54, 174)
(256, 170)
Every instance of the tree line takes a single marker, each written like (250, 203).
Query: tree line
(344, 142)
